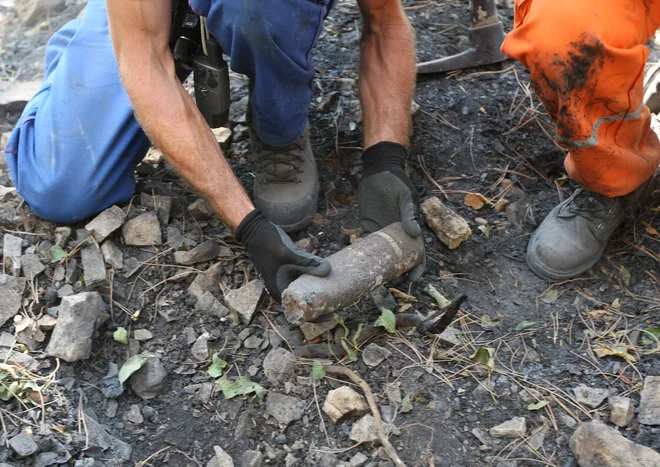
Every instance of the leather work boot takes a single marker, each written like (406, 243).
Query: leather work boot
(574, 235)
(286, 186)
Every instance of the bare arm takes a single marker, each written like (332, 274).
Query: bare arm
(140, 35)
(387, 71)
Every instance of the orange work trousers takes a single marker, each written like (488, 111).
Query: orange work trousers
(586, 60)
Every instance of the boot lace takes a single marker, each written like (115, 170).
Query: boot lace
(279, 164)
(590, 206)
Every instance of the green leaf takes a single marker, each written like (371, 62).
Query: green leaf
(387, 320)
(549, 296)
(537, 405)
(349, 350)
(57, 254)
(484, 356)
(356, 337)
(129, 367)
(654, 331)
(318, 371)
(241, 387)
(121, 336)
(440, 299)
(526, 325)
(406, 404)
(217, 366)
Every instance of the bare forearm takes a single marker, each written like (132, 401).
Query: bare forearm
(387, 74)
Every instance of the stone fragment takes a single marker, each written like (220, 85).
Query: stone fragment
(253, 342)
(11, 295)
(134, 415)
(174, 237)
(131, 266)
(594, 444)
(307, 244)
(11, 250)
(94, 266)
(358, 460)
(221, 458)
(143, 230)
(154, 156)
(244, 301)
(23, 445)
(76, 322)
(622, 410)
(200, 210)
(150, 380)
(161, 204)
(200, 349)
(344, 402)
(142, 335)
(62, 235)
(205, 251)
(211, 305)
(111, 388)
(65, 291)
(98, 437)
(450, 228)
(290, 460)
(222, 136)
(383, 298)
(112, 255)
(285, 409)
(649, 404)
(373, 355)
(206, 281)
(449, 337)
(252, 459)
(591, 397)
(32, 266)
(72, 271)
(46, 323)
(278, 365)
(514, 428)
(312, 330)
(106, 223)
(364, 430)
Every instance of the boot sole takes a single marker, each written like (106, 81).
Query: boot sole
(296, 227)
(550, 275)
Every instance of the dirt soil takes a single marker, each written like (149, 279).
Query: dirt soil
(478, 131)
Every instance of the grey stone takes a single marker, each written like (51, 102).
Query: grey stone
(594, 444)
(11, 295)
(94, 266)
(200, 349)
(57, 455)
(211, 305)
(253, 342)
(72, 337)
(244, 301)
(143, 230)
(649, 405)
(285, 409)
(204, 393)
(150, 380)
(221, 458)
(290, 460)
(142, 335)
(364, 430)
(111, 408)
(112, 254)
(43, 250)
(358, 460)
(206, 281)
(32, 12)
(312, 330)
(449, 337)
(62, 235)
(134, 415)
(205, 251)
(32, 266)
(251, 459)
(591, 397)
(278, 365)
(200, 210)
(65, 291)
(622, 410)
(161, 204)
(106, 223)
(98, 437)
(174, 237)
(514, 428)
(72, 271)
(23, 444)
(344, 402)
(131, 266)
(383, 298)
(373, 355)
(12, 249)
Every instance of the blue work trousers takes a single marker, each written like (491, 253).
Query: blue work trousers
(77, 143)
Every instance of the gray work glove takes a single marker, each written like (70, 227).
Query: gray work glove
(277, 260)
(386, 194)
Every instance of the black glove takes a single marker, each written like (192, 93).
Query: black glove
(386, 194)
(277, 260)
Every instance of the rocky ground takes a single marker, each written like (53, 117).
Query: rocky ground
(141, 337)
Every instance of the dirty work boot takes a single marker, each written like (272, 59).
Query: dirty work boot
(574, 235)
(287, 183)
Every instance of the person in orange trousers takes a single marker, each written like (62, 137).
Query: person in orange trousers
(586, 60)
